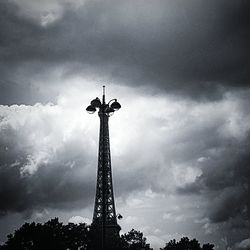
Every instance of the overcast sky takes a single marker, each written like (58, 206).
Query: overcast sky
(180, 143)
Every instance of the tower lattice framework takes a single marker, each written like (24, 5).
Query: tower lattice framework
(104, 222)
(104, 210)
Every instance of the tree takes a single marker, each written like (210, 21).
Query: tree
(50, 235)
(208, 246)
(134, 240)
(171, 245)
(186, 244)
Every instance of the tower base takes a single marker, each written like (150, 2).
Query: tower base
(106, 237)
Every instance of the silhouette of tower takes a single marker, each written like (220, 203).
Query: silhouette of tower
(104, 224)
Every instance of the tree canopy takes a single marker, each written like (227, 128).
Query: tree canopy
(186, 244)
(134, 240)
(50, 235)
(54, 235)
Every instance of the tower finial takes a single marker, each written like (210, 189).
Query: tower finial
(103, 94)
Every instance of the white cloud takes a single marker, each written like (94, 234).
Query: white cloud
(78, 219)
(244, 244)
(130, 220)
(184, 175)
(135, 203)
(155, 242)
(180, 218)
(33, 162)
(47, 11)
(202, 159)
(167, 216)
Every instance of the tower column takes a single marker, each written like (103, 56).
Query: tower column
(104, 224)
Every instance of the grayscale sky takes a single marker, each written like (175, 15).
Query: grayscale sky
(180, 143)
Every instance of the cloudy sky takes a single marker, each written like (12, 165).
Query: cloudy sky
(180, 143)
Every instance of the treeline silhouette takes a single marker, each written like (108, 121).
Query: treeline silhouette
(186, 244)
(54, 235)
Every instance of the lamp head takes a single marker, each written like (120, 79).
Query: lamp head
(119, 216)
(115, 105)
(110, 111)
(90, 109)
(96, 103)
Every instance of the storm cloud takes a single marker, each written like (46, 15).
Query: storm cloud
(198, 49)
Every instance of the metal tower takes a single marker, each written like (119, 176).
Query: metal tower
(104, 224)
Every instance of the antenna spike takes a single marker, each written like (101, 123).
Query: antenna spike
(103, 94)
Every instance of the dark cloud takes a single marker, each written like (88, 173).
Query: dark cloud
(225, 183)
(233, 185)
(196, 49)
